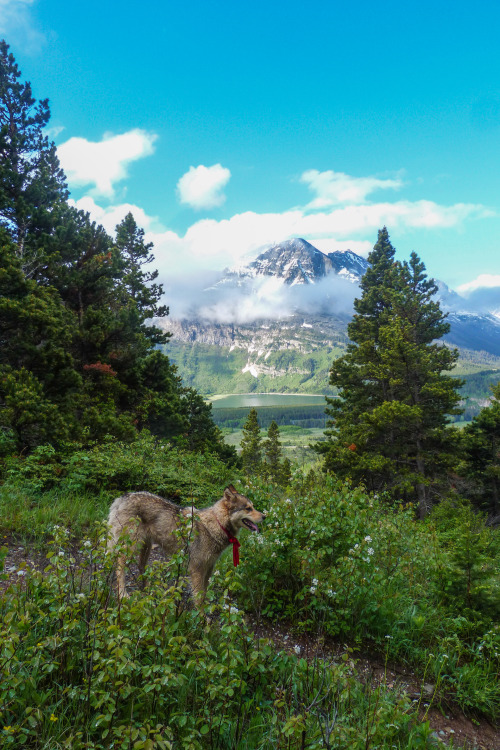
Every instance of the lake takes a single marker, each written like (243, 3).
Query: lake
(240, 400)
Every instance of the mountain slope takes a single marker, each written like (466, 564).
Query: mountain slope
(277, 323)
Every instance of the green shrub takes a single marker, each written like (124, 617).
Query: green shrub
(120, 467)
(78, 671)
(333, 560)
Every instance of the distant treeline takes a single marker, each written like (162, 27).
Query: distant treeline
(302, 416)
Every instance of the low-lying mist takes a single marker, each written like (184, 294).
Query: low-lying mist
(244, 300)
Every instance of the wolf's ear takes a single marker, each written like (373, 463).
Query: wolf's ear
(229, 493)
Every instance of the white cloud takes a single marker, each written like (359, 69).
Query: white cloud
(54, 131)
(483, 281)
(335, 188)
(16, 24)
(210, 244)
(103, 163)
(202, 187)
(110, 216)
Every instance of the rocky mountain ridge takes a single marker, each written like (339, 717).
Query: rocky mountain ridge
(306, 298)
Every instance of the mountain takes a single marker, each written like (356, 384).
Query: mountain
(277, 323)
(296, 261)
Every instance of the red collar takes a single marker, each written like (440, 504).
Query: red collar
(236, 544)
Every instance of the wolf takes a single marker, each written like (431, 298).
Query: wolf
(148, 519)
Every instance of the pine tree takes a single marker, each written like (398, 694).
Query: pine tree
(481, 452)
(273, 453)
(39, 383)
(251, 444)
(32, 184)
(140, 285)
(286, 472)
(389, 423)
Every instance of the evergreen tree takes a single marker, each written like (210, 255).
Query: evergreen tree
(273, 453)
(140, 285)
(251, 444)
(481, 450)
(201, 433)
(286, 472)
(389, 423)
(78, 352)
(32, 184)
(39, 383)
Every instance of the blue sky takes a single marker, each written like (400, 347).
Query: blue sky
(225, 126)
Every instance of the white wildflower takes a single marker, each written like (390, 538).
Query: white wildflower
(233, 610)
(312, 589)
(61, 553)
(371, 551)
(356, 546)
(368, 538)
(297, 649)
(315, 581)
(21, 572)
(87, 543)
(288, 500)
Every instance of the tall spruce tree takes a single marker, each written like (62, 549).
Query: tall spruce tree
(481, 452)
(273, 453)
(141, 285)
(251, 444)
(389, 423)
(32, 184)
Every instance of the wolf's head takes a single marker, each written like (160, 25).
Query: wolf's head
(240, 510)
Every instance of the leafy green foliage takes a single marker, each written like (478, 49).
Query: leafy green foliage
(332, 560)
(77, 671)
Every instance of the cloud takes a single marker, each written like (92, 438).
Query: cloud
(258, 298)
(110, 216)
(54, 131)
(212, 244)
(202, 187)
(483, 281)
(103, 163)
(17, 25)
(336, 188)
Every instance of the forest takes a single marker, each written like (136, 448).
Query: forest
(387, 550)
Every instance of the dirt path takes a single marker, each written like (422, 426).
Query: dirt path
(450, 723)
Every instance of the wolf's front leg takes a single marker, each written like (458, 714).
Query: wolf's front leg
(143, 560)
(120, 577)
(198, 585)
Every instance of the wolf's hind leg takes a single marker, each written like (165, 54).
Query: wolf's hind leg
(143, 560)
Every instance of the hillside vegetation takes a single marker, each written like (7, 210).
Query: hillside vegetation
(82, 671)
